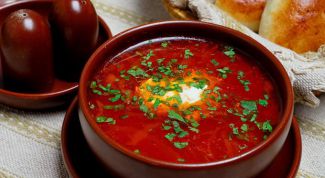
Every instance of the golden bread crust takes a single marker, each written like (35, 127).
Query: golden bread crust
(248, 12)
(295, 24)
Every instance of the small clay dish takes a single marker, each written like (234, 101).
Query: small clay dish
(73, 144)
(62, 92)
(125, 163)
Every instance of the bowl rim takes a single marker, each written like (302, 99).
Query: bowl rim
(287, 108)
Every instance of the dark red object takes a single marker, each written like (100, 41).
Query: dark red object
(61, 92)
(285, 164)
(127, 164)
(26, 46)
(75, 30)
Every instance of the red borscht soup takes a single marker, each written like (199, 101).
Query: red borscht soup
(184, 100)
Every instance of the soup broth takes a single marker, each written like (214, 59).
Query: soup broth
(184, 100)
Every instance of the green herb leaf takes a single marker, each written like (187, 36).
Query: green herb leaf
(224, 71)
(124, 116)
(97, 92)
(115, 107)
(180, 145)
(93, 84)
(244, 128)
(164, 44)
(147, 57)
(156, 103)
(137, 151)
(214, 62)
(137, 72)
(102, 119)
(249, 105)
(182, 134)
(188, 54)
(181, 67)
(173, 115)
(234, 129)
(107, 88)
(115, 98)
(144, 108)
(267, 127)
(167, 127)
(170, 136)
(229, 51)
(263, 102)
(181, 160)
(159, 61)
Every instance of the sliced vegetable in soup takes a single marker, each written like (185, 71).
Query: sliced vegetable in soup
(184, 100)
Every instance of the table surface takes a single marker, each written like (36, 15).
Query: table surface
(30, 141)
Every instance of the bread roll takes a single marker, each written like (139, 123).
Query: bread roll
(296, 24)
(248, 12)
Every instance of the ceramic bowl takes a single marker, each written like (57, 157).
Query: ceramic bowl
(62, 91)
(125, 163)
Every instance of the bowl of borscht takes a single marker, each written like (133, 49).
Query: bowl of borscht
(184, 99)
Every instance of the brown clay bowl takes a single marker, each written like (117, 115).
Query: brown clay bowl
(62, 92)
(125, 163)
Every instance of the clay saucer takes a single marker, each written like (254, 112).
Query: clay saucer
(62, 92)
(81, 162)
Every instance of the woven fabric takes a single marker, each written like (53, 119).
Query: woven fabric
(307, 72)
(30, 141)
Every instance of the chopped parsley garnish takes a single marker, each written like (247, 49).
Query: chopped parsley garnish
(147, 57)
(174, 115)
(115, 98)
(170, 136)
(229, 51)
(235, 131)
(115, 107)
(181, 67)
(214, 62)
(124, 116)
(224, 71)
(263, 102)
(103, 119)
(97, 92)
(107, 88)
(249, 105)
(166, 127)
(180, 145)
(182, 134)
(159, 61)
(165, 70)
(244, 128)
(193, 129)
(199, 83)
(188, 54)
(137, 151)
(93, 84)
(210, 108)
(245, 83)
(267, 127)
(144, 108)
(156, 103)
(175, 97)
(164, 44)
(158, 90)
(138, 72)
(181, 160)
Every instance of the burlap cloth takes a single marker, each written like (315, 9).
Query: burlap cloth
(307, 71)
(30, 141)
